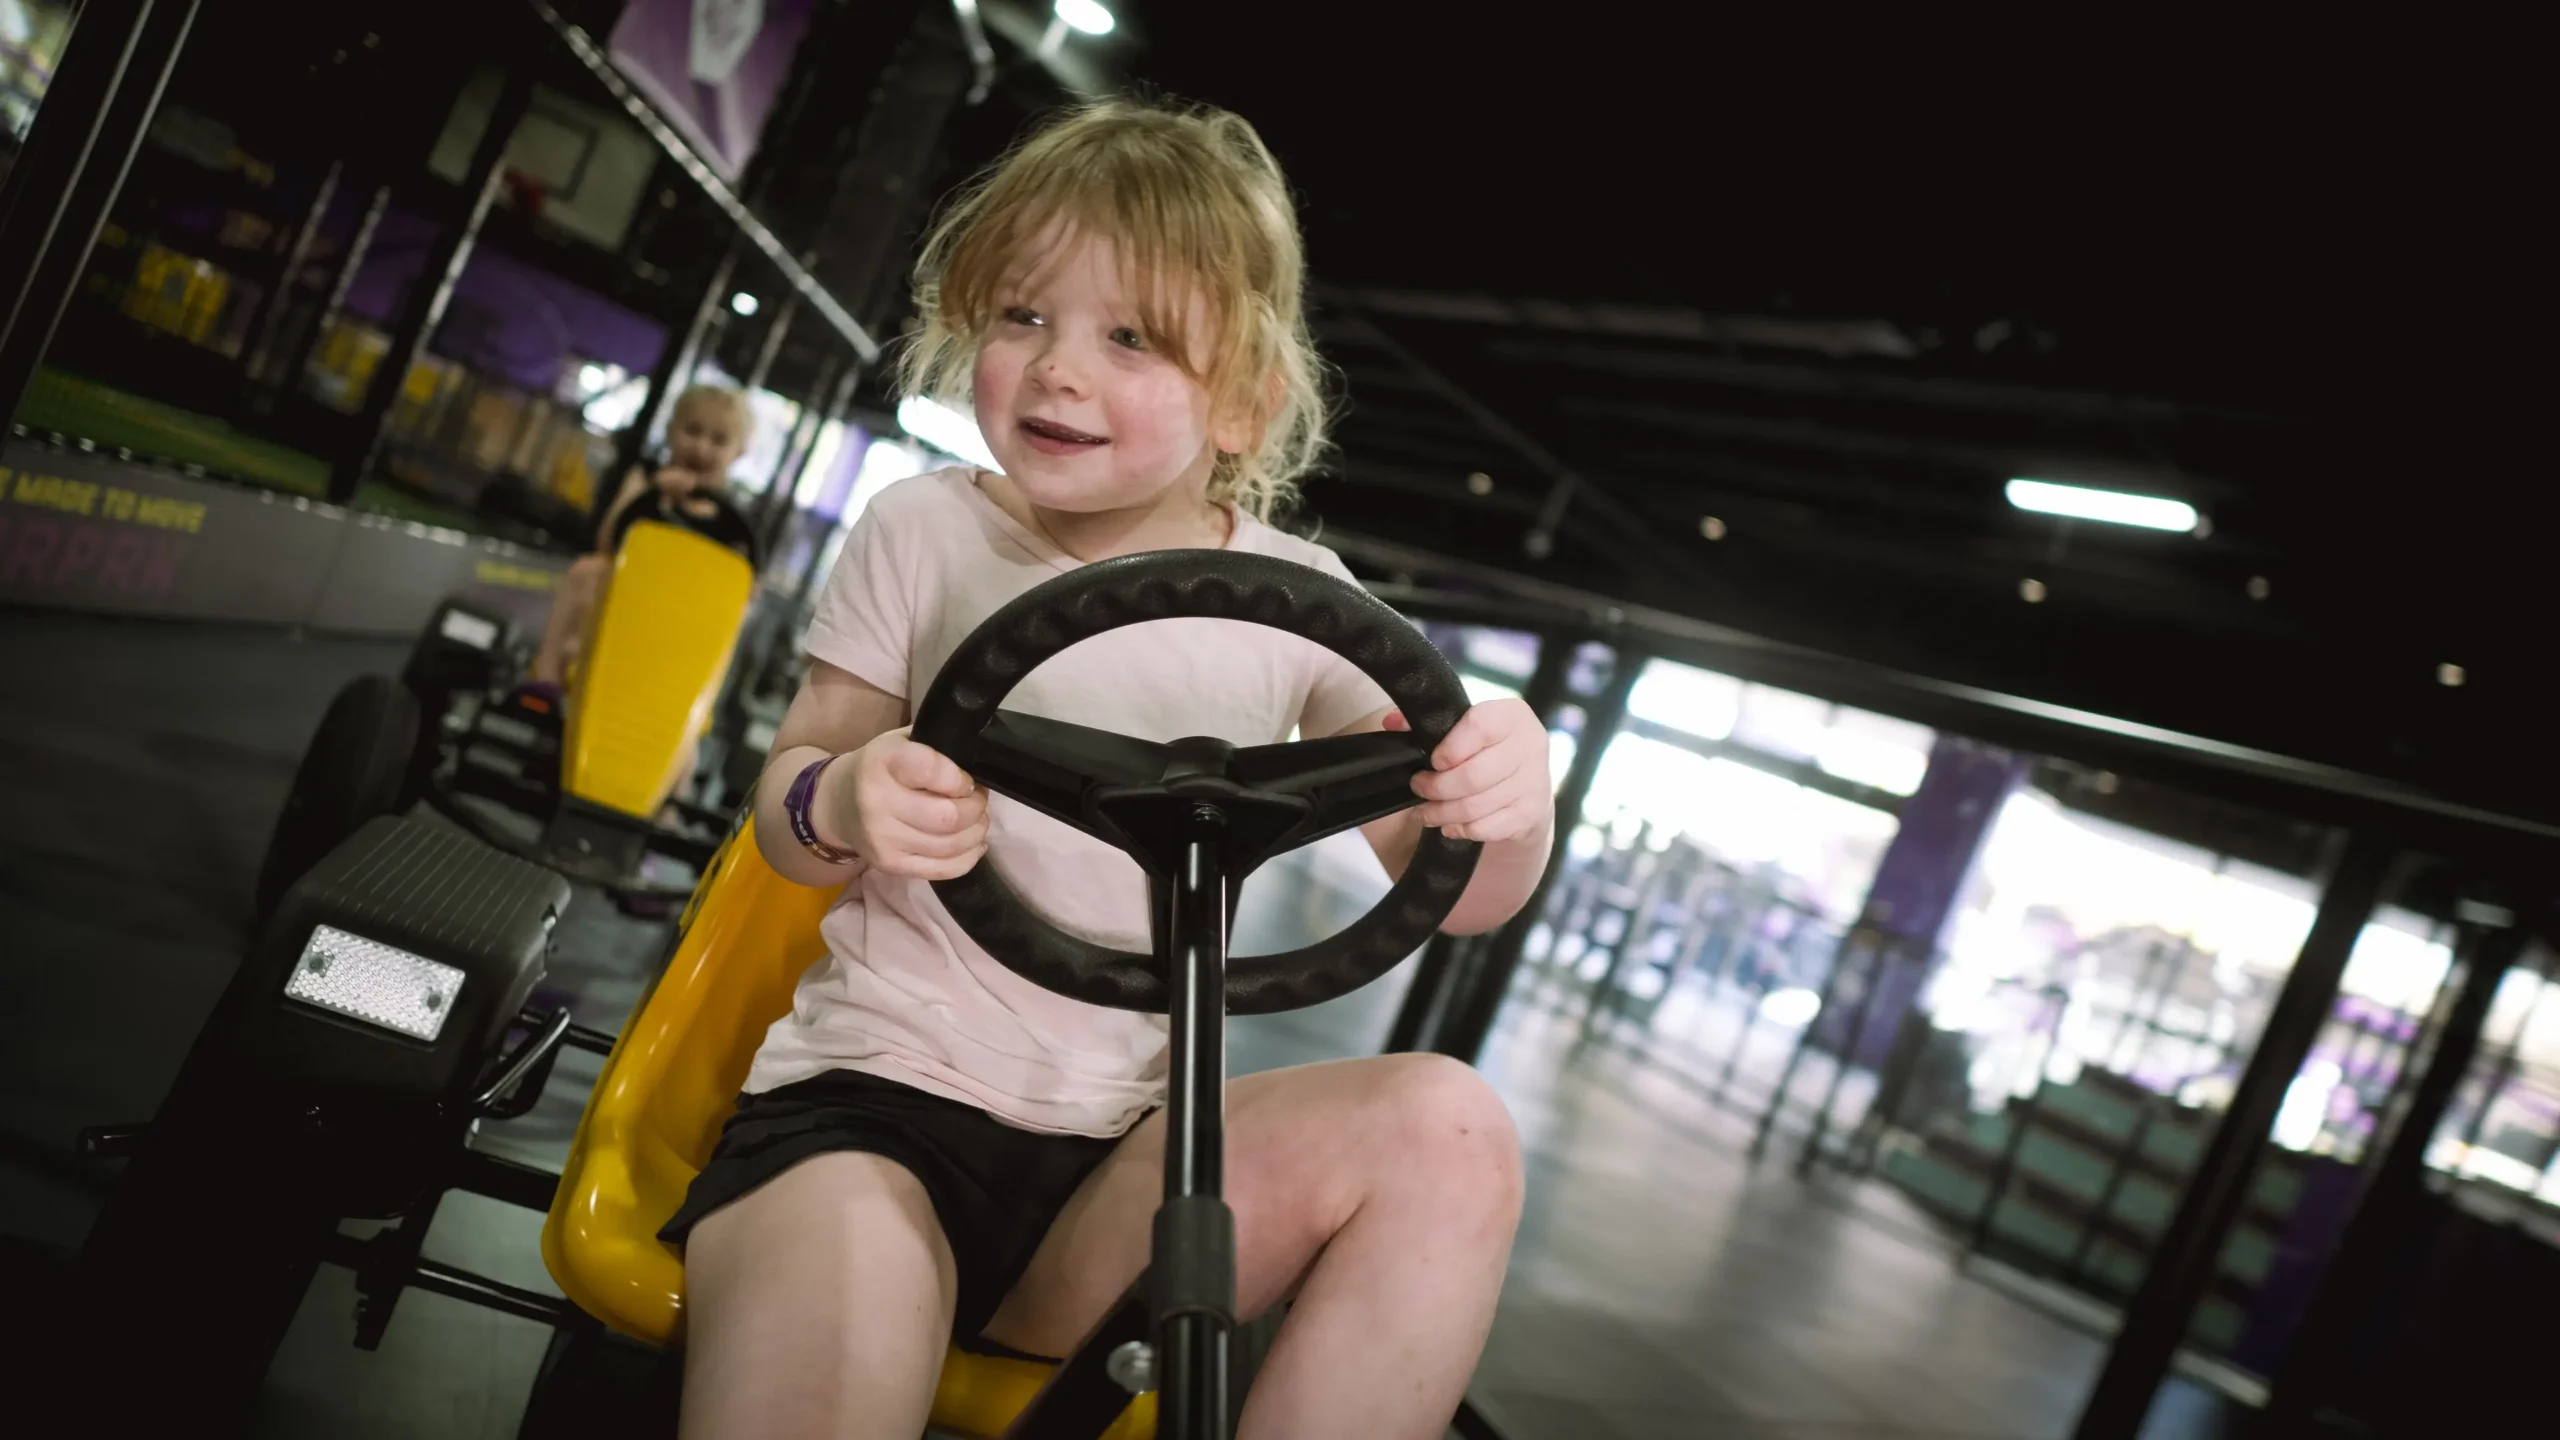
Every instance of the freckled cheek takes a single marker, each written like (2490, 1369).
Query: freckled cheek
(1164, 414)
(992, 376)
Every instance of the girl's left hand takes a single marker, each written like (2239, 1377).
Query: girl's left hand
(1488, 779)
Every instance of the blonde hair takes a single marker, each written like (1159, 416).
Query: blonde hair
(1194, 205)
(735, 401)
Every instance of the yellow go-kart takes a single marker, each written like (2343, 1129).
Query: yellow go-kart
(595, 773)
(383, 1013)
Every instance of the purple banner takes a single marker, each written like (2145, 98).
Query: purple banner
(712, 67)
(509, 320)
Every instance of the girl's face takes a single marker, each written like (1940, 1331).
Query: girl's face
(705, 439)
(1078, 409)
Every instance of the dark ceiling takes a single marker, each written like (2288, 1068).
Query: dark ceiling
(1833, 290)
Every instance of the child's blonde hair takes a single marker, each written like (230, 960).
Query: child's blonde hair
(734, 401)
(1193, 204)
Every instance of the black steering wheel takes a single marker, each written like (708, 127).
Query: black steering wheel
(1266, 799)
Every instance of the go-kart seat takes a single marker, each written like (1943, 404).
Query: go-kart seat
(656, 654)
(671, 1080)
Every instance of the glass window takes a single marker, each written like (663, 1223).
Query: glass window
(1504, 652)
(1684, 697)
(2503, 1128)
(1876, 750)
(1743, 816)
(32, 36)
(1781, 722)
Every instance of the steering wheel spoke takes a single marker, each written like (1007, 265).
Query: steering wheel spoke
(1053, 765)
(1346, 781)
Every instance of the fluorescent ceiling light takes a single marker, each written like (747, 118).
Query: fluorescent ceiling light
(1086, 16)
(2115, 507)
(946, 430)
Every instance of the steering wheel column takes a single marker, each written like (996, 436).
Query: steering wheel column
(1198, 815)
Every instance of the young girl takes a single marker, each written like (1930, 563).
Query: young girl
(707, 431)
(931, 1148)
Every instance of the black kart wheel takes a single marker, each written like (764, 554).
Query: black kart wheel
(359, 765)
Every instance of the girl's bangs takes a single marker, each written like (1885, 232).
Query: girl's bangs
(1167, 254)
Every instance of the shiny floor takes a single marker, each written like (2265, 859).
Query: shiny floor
(1663, 1284)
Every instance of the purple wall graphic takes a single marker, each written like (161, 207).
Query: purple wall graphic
(1923, 871)
(508, 319)
(711, 67)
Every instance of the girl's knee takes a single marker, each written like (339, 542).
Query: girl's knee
(1447, 1123)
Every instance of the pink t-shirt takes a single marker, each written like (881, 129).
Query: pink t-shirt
(902, 993)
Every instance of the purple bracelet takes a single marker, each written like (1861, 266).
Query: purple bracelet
(795, 807)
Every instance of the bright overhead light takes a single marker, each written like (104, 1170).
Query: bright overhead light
(1086, 16)
(743, 303)
(2115, 507)
(946, 430)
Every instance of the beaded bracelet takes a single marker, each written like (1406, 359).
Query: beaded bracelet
(795, 807)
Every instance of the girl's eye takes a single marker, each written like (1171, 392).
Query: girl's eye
(1017, 315)
(1128, 338)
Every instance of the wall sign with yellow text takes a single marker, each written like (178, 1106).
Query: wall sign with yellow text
(86, 532)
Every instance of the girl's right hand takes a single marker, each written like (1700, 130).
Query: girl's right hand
(674, 484)
(907, 809)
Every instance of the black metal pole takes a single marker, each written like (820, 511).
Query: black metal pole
(1194, 1263)
(268, 321)
(294, 365)
(1431, 983)
(675, 366)
(2183, 1263)
(1822, 1005)
(37, 197)
(1472, 1009)
(75, 163)
(2375, 1236)
(775, 502)
(769, 349)
(1449, 959)
(433, 289)
(58, 142)
(1841, 1061)
(2023, 1110)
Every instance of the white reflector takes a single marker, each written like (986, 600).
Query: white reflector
(470, 630)
(373, 982)
(2116, 507)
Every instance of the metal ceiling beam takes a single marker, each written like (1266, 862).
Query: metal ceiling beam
(1993, 461)
(1660, 361)
(2287, 784)
(753, 230)
(1838, 338)
(1562, 482)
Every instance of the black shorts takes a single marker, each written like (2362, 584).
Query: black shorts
(995, 1188)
